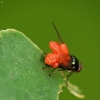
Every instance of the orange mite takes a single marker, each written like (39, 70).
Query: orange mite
(60, 57)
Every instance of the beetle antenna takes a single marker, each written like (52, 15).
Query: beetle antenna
(59, 37)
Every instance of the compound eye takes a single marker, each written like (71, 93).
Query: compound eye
(80, 67)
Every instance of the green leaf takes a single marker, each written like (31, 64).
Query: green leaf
(21, 73)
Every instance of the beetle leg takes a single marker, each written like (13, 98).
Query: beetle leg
(60, 70)
(52, 72)
(46, 68)
(44, 53)
(70, 73)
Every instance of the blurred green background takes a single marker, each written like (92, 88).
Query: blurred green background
(78, 22)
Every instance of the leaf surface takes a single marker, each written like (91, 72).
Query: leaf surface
(21, 73)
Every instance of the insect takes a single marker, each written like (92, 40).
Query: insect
(61, 58)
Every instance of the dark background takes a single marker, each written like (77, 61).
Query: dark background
(78, 22)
